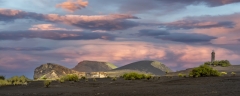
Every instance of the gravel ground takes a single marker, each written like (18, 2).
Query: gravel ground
(165, 86)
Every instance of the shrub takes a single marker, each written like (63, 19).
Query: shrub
(204, 71)
(61, 80)
(83, 77)
(4, 82)
(133, 75)
(180, 75)
(114, 79)
(223, 63)
(2, 77)
(223, 73)
(94, 79)
(70, 77)
(47, 83)
(148, 77)
(233, 73)
(16, 80)
(44, 78)
(132, 78)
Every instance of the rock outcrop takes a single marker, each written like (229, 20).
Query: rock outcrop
(94, 66)
(53, 71)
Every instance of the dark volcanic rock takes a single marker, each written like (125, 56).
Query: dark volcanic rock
(53, 71)
(93, 66)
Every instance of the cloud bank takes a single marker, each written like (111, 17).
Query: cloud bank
(96, 22)
(192, 24)
(55, 35)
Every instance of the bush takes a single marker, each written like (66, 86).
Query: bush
(2, 77)
(114, 79)
(16, 80)
(181, 75)
(223, 63)
(204, 71)
(4, 82)
(86, 80)
(223, 73)
(47, 83)
(133, 75)
(70, 77)
(61, 80)
(148, 77)
(233, 73)
(94, 79)
(83, 77)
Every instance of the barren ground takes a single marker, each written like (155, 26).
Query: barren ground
(205, 86)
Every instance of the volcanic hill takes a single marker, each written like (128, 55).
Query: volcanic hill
(93, 66)
(146, 66)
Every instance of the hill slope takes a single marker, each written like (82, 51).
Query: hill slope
(53, 71)
(93, 66)
(147, 66)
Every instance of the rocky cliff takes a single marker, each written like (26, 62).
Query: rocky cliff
(53, 71)
(93, 66)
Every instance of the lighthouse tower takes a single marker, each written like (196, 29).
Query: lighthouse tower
(212, 57)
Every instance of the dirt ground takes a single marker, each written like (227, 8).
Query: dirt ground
(176, 86)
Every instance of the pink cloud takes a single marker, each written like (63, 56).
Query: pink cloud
(14, 61)
(73, 5)
(122, 53)
(94, 22)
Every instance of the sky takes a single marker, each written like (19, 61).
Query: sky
(179, 33)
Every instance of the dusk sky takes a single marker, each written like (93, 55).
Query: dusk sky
(179, 33)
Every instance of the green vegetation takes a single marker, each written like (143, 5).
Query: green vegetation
(94, 79)
(47, 83)
(4, 82)
(114, 78)
(233, 73)
(223, 63)
(111, 65)
(83, 77)
(61, 80)
(2, 77)
(204, 71)
(135, 76)
(223, 73)
(181, 75)
(16, 80)
(70, 77)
